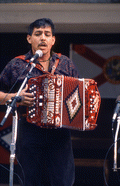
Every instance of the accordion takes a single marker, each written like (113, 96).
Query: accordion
(62, 101)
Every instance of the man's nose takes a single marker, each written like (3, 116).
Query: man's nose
(43, 36)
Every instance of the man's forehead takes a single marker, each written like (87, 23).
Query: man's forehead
(43, 28)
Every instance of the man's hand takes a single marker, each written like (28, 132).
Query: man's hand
(27, 98)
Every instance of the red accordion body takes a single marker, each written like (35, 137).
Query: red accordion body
(62, 101)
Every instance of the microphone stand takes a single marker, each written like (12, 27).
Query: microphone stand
(115, 168)
(12, 106)
(13, 145)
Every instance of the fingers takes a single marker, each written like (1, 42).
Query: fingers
(26, 88)
(28, 101)
(27, 98)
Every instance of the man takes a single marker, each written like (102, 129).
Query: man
(37, 145)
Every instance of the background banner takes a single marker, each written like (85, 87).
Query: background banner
(100, 62)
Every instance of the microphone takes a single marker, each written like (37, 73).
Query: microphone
(38, 53)
(117, 108)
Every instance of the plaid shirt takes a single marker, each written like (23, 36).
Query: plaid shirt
(16, 69)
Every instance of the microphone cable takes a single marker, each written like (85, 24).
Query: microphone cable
(13, 173)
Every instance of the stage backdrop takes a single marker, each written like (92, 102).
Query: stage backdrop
(100, 62)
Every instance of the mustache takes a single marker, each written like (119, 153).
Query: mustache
(42, 44)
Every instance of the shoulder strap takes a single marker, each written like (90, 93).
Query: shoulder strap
(22, 57)
(39, 67)
(56, 64)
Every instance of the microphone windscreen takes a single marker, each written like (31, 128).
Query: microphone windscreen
(39, 52)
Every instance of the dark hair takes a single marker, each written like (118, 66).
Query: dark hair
(41, 23)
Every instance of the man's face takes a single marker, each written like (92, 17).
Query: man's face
(41, 39)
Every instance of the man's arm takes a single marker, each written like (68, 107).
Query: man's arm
(5, 97)
(27, 98)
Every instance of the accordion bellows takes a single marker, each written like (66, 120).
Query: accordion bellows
(62, 101)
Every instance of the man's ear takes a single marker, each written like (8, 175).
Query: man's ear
(53, 40)
(29, 39)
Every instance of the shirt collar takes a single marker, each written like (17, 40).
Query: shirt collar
(29, 55)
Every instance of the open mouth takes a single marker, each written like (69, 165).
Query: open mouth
(42, 44)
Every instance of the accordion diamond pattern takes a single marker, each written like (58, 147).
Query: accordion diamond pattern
(73, 103)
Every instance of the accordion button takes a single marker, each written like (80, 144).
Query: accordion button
(40, 104)
(41, 97)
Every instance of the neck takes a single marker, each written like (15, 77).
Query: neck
(45, 64)
(44, 58)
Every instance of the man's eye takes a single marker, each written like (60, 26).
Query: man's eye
(37, 34)
(47, 35)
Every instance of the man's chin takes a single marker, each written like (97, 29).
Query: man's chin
(42, 47)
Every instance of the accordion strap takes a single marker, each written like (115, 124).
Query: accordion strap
(56, 64)
(39, 67)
